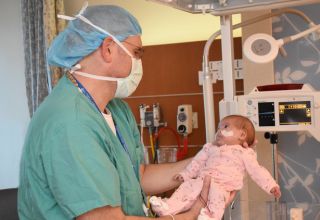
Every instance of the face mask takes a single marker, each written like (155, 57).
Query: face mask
(125, 86)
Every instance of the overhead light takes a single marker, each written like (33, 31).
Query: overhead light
(263, 48)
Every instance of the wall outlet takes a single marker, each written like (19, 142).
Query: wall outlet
(195, 120)
(296, 214)
(184, 119)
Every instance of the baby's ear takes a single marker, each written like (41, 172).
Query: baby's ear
(243, 134)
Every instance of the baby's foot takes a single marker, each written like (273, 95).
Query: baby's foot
(158, 205)
(205, 215)
(158, 202)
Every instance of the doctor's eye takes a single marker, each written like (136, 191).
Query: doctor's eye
(138, 52)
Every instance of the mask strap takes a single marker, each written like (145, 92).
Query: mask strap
(84, 7)
(84, 19)
(65, 17)
(75, 68)
(69, 18)
(92, 76)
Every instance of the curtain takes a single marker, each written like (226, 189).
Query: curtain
(53, 26)
(39, 28)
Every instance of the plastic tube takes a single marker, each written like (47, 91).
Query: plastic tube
(151, 143)
(161, 130)
(183, 152)
(174, 132)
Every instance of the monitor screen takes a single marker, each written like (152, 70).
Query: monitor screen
(295, 113)
(266, 114)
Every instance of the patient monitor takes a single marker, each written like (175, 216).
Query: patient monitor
(280, 108)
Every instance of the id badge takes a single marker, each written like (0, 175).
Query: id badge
(147, 211)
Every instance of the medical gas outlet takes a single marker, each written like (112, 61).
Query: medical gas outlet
(186, 119)
(150, 118)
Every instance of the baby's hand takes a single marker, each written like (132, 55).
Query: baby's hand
(276, 191)
(178, 177)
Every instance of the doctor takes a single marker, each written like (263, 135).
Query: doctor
(82, 157)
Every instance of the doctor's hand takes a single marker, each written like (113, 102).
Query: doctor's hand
(178, 177)
(231, 198)
(201, 202)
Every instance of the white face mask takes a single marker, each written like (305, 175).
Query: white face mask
(125, 86)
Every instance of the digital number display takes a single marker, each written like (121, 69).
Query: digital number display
(295, 113)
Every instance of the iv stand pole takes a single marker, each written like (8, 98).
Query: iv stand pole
(226, 106)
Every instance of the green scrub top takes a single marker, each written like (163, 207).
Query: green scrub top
(72, 162)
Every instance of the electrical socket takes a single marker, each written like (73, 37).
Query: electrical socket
(184, 119)
(296, 214)
(195, 120)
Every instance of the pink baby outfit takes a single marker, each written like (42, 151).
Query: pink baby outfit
(227, 166)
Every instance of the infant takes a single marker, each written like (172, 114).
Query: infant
(226, 161)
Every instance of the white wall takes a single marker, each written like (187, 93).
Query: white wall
(14, 115)
(162, 24)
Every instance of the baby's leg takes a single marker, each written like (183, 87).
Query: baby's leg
(181, 200)
(216, 203)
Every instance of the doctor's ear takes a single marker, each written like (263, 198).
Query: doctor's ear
(106, 49)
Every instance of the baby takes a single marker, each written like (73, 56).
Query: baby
(226, 161)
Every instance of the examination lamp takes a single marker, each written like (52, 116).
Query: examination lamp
(225, 7)
(263, 48)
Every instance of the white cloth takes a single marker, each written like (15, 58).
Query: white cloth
(108, 117)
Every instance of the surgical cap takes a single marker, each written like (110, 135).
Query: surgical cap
(79, 39)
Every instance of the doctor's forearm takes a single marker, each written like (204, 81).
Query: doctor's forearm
(158, 178)
(116, 213)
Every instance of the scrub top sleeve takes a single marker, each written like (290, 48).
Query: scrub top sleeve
(80, 173)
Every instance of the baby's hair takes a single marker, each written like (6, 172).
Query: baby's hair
(245, 124)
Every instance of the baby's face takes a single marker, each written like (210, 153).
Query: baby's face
(228, 133)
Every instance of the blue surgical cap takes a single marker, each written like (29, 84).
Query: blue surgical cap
(79, 39)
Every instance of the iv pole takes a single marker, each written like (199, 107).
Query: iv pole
(227, 105)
